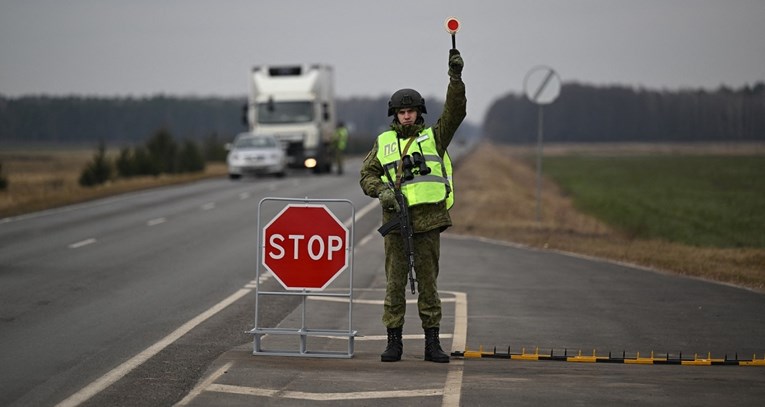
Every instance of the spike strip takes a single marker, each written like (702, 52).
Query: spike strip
(595, 358)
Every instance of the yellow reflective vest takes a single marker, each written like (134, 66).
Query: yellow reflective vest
(431, 188)
(341, 138)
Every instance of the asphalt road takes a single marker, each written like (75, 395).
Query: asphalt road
(87, 288)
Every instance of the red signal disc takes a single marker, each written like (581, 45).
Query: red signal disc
(452, 25)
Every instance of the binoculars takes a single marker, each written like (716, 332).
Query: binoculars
(414, 164)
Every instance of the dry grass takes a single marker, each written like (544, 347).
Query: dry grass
(45, 178)
(502, 205)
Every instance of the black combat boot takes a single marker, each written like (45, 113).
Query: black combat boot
(395, 346)
(433, 351)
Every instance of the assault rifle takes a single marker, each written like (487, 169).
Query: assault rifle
(404, 224)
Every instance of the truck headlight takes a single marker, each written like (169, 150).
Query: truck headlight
(309, 162)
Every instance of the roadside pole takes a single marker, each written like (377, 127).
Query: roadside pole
(541, 86)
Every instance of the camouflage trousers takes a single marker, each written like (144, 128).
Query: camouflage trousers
(427, 248)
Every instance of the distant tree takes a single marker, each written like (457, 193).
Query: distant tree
(125, 163)
(161, 154)
(97, 171)
(144, 163)
(163, 151)
(3, 179)
(214, 148)
(190, 158)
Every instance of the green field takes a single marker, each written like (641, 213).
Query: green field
(706, 201)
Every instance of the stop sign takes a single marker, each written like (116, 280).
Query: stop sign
(305, 247)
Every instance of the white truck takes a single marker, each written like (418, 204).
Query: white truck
(295, 104)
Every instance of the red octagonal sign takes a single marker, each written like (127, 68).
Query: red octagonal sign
(305, 247)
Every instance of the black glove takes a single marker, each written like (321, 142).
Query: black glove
(455, 64)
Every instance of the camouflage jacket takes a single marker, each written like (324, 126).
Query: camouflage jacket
(424, 217)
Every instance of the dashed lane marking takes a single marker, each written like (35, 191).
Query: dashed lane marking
(82, 243)
(156, 221)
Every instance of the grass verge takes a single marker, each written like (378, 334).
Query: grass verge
(705, 201)
(496, 198)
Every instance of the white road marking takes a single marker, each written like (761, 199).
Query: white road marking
(361, 213)
(157, 221)
(451, 393)
(453, 384)
(406, 337)
(244, 195)
(254, 283)
(82, 243)
(197, 390)
(208, 206)
(369, 302)
(120, 371)
(367, 238)
(301, 395)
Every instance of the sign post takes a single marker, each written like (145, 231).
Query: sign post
(305, 247)
(542, 86)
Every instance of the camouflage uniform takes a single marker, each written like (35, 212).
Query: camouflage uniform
(428, 221)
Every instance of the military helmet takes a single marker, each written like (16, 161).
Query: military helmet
(403, 98)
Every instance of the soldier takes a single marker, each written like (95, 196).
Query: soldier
(429, 195)
(339, 144)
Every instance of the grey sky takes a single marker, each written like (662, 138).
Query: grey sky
(196, 47)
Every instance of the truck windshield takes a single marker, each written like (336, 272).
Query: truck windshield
(285, 112)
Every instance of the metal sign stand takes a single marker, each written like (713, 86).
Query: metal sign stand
(542, 86)
(303, 331)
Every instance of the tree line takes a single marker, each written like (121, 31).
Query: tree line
(130, 121)
(161, 154)
(585, 113)
(582, 113)
(118, 120)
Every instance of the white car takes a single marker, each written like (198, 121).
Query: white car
(256, 155)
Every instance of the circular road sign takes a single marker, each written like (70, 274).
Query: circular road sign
(542, 85)
(305, 247)
(452, 25)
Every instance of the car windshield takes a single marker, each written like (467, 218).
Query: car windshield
(285, 112)
(255, 142)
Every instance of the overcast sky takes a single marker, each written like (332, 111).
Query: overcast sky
(206, 48)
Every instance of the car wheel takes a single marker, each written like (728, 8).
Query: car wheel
(234, 176)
